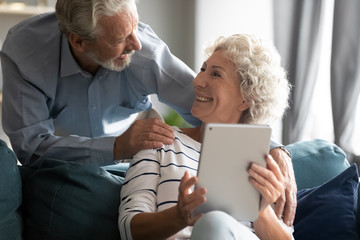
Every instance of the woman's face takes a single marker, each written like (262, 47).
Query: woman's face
(217, 89)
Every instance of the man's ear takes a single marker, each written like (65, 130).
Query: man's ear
(76, 42)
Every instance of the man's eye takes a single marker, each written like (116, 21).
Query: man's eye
(202, 69)
(120, 41)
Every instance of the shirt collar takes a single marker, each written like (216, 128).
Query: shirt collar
(69, 66)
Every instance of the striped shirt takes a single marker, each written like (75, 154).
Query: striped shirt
(152, 181)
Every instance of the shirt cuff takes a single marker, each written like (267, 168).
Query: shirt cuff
(284, 149)
(102, 150)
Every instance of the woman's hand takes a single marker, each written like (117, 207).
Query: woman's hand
(188, 200)
(268, 181)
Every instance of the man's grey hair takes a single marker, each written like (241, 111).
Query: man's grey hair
(81, 16)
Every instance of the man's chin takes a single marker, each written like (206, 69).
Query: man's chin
(117, 66)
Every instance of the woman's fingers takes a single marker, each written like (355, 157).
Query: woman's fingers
(188, 200)
(268, 181)
(272, 165)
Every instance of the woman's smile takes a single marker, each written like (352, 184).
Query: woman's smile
(204, 99)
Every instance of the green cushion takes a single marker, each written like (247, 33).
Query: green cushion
(67, 200)
(10, 195)
(316, 162)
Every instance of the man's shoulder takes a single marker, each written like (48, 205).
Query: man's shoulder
(38, 26)
(32, 34)
(31, 44)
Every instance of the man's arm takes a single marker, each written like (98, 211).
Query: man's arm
(27, 123)
(162, 73)
(286, 204)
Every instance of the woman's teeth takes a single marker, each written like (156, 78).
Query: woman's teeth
(203, 99)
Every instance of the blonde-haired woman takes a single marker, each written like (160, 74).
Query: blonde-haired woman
(242, 81)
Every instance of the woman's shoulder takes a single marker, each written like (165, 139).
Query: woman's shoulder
(184, 137)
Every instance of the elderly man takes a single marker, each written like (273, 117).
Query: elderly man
(74, 81)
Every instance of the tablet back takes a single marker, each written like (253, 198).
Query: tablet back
(226, 153)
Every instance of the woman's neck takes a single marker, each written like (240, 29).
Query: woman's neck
(195, 133)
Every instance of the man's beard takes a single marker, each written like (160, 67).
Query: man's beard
(111, 64)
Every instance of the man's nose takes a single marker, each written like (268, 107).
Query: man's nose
(134, 42)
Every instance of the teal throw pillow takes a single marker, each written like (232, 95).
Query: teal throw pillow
(10, 195)
(316, 162)
(66, 200)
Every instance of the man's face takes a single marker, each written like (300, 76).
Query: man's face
(113, 49)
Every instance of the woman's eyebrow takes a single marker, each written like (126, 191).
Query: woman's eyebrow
(220, 67)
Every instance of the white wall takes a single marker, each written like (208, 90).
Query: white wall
(173, 22)
(188, 25)
(214, 18)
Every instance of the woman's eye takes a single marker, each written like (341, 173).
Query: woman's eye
(202, 69)
(216, 74)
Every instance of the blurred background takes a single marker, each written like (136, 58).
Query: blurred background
(322, 58)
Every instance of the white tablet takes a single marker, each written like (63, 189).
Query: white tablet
(226, 153)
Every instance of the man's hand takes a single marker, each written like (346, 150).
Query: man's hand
(142, 134)
(286, 204)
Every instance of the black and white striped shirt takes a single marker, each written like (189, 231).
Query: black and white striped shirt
(152, 181)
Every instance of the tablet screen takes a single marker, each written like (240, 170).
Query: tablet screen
(226, 153)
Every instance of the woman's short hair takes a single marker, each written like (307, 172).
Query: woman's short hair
(81, 16)
(263, 81)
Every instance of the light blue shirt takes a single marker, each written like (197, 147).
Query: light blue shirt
(53, 108)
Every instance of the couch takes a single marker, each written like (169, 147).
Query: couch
(66, 200)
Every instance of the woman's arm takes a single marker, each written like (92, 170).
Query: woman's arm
(269, 227)
(156, 225)
(163, 224)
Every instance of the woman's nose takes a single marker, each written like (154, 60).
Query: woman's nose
(199, 80)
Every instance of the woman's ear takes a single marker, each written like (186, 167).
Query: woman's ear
(76, 42)
(243, 106)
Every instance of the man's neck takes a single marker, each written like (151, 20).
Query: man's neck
(85, 62)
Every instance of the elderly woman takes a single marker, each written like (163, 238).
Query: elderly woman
(241, 82)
